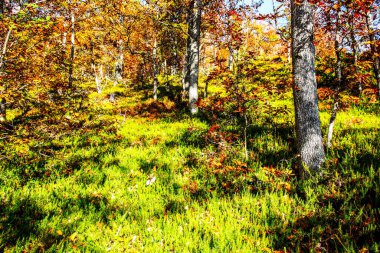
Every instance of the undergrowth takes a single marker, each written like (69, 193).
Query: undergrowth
(148, 178)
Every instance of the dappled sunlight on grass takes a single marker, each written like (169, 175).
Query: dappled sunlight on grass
(160, 185)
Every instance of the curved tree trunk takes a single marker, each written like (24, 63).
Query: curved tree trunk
(308, 127)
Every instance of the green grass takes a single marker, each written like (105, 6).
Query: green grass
(94, 195)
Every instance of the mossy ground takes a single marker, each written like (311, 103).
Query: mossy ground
(146, 185)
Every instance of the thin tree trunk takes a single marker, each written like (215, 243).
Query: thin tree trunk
(205, 92)
(118, 70)
(245, 136)
(175, 63)
(98, 77)
(308, 126)
(338, 73)
(230, 58)
(194, 34)
(4, 50)
(3, 102)
(332, 121)
(64, 39)
(72, 52)
(186, 69)
(3, 110)
(155, 70)
(354, 48)
(376, 60)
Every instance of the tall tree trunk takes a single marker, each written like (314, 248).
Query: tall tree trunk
(118, 70)
(72, 52)
(338, 73)
(354, 48)
(308, 126)
(155, 70)
(3, 103)
(186, 67)
(175, 63)
(376, 60)
(194, 34)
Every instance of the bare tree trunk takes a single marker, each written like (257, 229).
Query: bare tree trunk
(175, 64)
(338, 73)
(205, 92)
(332, 122)
(354, 48)
(194, 34)
(4, 50)
(3, 110)
(3, 102)
(308, 126)
(186, 68)
(118, 70)
(119, 67)
(155, 70)
(230, 58)
(376, 60)
(99, 77)
(64, 39)
(72, 52)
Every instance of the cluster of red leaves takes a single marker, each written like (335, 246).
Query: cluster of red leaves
(150, 109)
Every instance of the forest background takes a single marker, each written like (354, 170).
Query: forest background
(168, 126)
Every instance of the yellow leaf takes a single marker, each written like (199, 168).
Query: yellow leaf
(59, 232)
(73, 236)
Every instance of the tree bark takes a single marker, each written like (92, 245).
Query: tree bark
(3, 103)
(230, 64)
(194, 34)
(72, 52)
(308, 126)
(3, 110)
(155, 70)
(376, 60)
(338, 73)
(4, 50)
(186, 68)
(118, 70)
(354, 48)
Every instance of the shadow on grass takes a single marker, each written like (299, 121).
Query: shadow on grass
(19, 221)
(360, 155)
(326, 231)
(53, 158)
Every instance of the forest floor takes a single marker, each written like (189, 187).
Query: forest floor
(149, 181)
